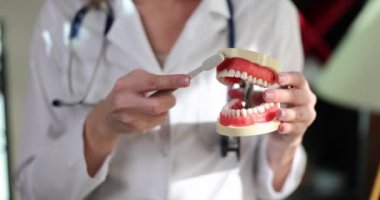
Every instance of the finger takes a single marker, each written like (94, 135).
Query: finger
(295, 79)
(138, 122)
(144, 126)
(141, 81)
(158, 104)
(140, 104)
(141, 122)
(132, 117)
(290, 96)
(294, 114)
(291, 128)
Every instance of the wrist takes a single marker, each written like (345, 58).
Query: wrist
(285, 141)
(98, 139)
(281, 151)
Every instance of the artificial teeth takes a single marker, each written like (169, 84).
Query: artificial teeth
(250, 111)
(244, 112)
(261, 109)
(231, 73)
(237, 74)
(231, 113)
(267, 106)
(265, 84)
(237, 113)
(250, 78)
(260, 82)
(224, 73)
(254, 80)
(254, 110)
(244, 75)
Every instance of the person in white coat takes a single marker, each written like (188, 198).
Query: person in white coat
(130, 146)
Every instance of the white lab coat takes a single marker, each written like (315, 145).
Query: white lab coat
(179, 160)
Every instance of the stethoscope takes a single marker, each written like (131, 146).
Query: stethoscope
(228, 144)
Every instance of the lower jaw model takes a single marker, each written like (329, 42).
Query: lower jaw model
(247, 114)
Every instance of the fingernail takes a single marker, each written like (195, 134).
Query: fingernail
(184, 81)
(269, 96)
(282, 79)
(281, 129)
(281, 115)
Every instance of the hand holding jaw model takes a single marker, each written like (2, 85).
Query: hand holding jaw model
(247, 114)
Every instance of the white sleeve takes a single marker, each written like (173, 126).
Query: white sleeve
(264, 177)
(51, 163)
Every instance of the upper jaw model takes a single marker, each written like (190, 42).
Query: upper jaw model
(247, 114)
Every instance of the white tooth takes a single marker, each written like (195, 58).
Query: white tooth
(254, 110)
(265, 84)
(271, 104)
(231, 73)
(237, 74)
(261, 109)
(250, 111)
(260, 82)
(237, 113)
(244, 112)
(254, 80)
(244, 75)
(227, 108)
(224, 73)
(267, 106)
(250, 78)
(278, 105)
(231, 113)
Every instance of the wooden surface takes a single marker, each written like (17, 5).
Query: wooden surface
(375, 194)
(373, 152)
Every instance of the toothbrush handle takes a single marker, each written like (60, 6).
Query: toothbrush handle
(192, 74)
(195, 72)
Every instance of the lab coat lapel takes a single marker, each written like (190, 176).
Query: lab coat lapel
(209, 19)
(128, 34)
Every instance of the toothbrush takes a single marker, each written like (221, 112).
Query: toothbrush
(207, 65)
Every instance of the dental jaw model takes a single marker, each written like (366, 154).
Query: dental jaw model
(247, 114)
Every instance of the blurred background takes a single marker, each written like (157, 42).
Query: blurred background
(342, 144)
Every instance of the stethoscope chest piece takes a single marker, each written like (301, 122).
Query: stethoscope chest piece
(230, 144)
